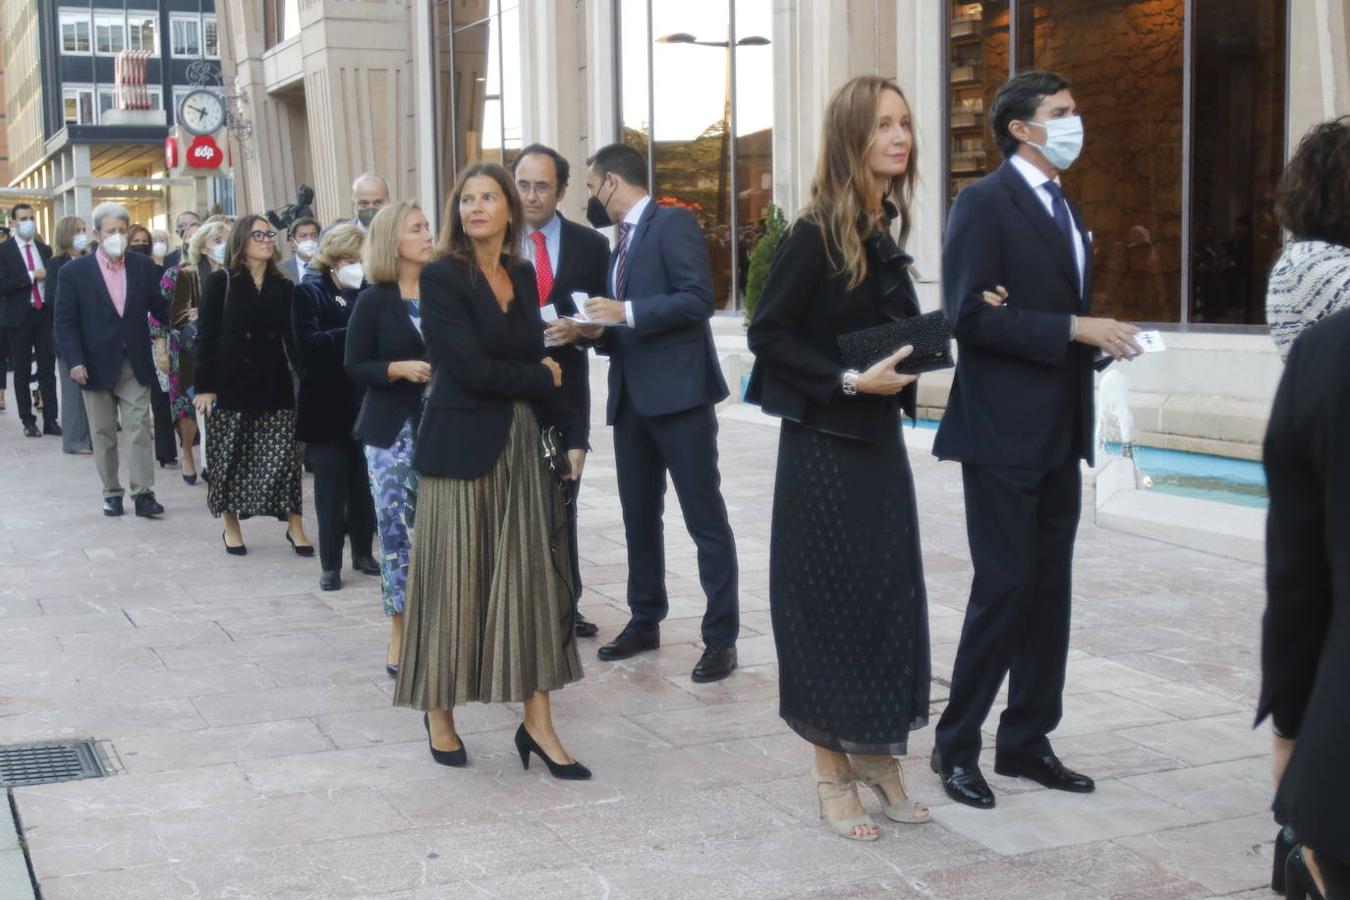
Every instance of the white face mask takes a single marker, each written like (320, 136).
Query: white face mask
(27, 228)
(80, 241)
(218, 253)
(351, 275)
(114, 245)
(1063, 141)
(159, 248)
(306, 248)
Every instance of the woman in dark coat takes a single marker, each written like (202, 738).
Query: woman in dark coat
(326, 408)
(846, 589)
(243, 387)
(72, 239)
(490, 606)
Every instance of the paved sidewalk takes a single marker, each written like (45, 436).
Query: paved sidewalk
(258, 754)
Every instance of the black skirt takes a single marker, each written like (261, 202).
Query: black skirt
(846, 592)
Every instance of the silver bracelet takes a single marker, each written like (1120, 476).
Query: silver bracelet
(849, 383)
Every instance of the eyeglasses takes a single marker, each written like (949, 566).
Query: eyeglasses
(526, 188)
(263, 237)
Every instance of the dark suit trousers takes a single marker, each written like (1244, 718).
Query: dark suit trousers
(34, 338)
(1021, 525)
(166, 438)
(342, 501)
(685, 444)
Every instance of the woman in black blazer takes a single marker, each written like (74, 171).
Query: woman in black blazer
(846, 589)
(326, 408)
(243, 386)
(388, 358)
(490, 605)
(72, 238)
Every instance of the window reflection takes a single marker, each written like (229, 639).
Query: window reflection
(978, 58)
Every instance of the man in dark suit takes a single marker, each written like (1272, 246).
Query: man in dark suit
(1019, 419)
(104, 338)
(664, 380)
(26, 317)
(186, 226)
(567, 257)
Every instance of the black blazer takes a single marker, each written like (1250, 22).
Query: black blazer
(16, 288)
(482, 361)
(806, 304)
(584, 267)
(54, 266)
(241, 341)
(667, 362)
(379, 332)
(1022, 395)
(325, 409)
(90, 333)
(1305, 648)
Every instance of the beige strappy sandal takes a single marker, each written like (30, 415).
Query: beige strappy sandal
(835, 787)
(878, 774)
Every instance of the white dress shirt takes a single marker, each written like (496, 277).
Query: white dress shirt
(1036, 179)
(37, 264)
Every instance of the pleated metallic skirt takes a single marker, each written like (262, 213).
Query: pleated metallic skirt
(488, 616)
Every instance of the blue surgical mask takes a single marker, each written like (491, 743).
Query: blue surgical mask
(27, 228)
(1063, 141)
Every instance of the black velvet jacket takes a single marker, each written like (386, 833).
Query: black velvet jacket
(241, 344)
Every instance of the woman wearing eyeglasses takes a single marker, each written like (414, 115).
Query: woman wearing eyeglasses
(244, 392)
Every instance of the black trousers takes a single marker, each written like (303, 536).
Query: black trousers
(685, 445)
(33, 338)
(166, 437)
(342, 501)
(1021, 524)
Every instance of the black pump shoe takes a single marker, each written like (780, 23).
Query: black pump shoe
(1299, 883)
(456, 758)
(525, 745)
(1285, 842)
(241, 550)
(300, 549)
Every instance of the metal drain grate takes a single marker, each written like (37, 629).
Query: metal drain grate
(49, 762)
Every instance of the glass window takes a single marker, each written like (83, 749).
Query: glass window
(479, 66)
(1237, 154)
(210, 37)
(110, 34)
(79, 105)
(477, 112)
(281, 20)
(634, 102)
(978, 64)
(141, 32)
(75, 33)
(753, 109)
(186, 35)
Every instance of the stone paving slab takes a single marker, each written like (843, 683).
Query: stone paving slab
(258, 755)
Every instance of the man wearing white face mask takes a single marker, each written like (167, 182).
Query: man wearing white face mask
(26, 317)
(303, 237)
(1019, 419)
(104, 336)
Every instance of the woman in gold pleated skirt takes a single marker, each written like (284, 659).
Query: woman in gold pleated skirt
(490, 608)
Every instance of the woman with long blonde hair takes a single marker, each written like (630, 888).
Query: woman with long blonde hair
(846, 589)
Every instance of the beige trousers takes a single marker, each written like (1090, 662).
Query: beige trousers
(129, 400)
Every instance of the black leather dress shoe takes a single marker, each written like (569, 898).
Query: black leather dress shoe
(52, 430)
(147, 506)
(718, 661)
(31, 431)
(330, 581)
(112, 506)
(964, 784)
(366, 564)
(633, 640)
(584, 627)
(1047, 771)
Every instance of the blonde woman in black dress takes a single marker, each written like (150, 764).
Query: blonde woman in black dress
(846, 588)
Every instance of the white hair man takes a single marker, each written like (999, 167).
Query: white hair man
(103, 336)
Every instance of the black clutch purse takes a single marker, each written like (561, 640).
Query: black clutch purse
(929, 335)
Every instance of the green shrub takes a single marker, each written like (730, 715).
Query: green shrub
(775, 224)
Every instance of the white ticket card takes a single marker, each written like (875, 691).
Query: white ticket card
(1150, 341)
(548, 313)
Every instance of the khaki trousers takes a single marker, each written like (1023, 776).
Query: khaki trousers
(129, 400)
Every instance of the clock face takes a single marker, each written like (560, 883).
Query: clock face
(202, 112)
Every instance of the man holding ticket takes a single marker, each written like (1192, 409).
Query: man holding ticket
(1019, 419)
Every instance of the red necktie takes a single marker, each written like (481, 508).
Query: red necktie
(543, 269)
(37, 292)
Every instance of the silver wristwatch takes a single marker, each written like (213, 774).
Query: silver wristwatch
(849, 383)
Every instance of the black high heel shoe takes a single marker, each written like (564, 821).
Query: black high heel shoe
(1284, 845)
(241, 550)
(525, 745)
(457, 758)
(1298, 878)
(300, 549)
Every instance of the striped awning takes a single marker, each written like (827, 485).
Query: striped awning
(130, 80)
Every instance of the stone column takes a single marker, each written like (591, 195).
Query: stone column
(919, 30)
(1319, 65)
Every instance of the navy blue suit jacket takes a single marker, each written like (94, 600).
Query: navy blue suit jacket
(666, 363)
(1022, 395)
(90, 333)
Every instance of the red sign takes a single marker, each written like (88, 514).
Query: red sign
(170, 152)
(204, 153)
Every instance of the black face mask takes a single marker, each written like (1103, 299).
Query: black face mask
(367, 215)
(140, 248)
(596, 213)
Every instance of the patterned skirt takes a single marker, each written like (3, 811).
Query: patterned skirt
(252, 462)
(393, 484)
(489, 610)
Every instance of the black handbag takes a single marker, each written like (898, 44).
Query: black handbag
(555, 452)
(929, 335)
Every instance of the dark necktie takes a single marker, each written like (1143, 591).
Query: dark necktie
(621, 263)
(1065, 224)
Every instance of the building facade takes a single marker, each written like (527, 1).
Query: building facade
(75, 139)
(1191, 108)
